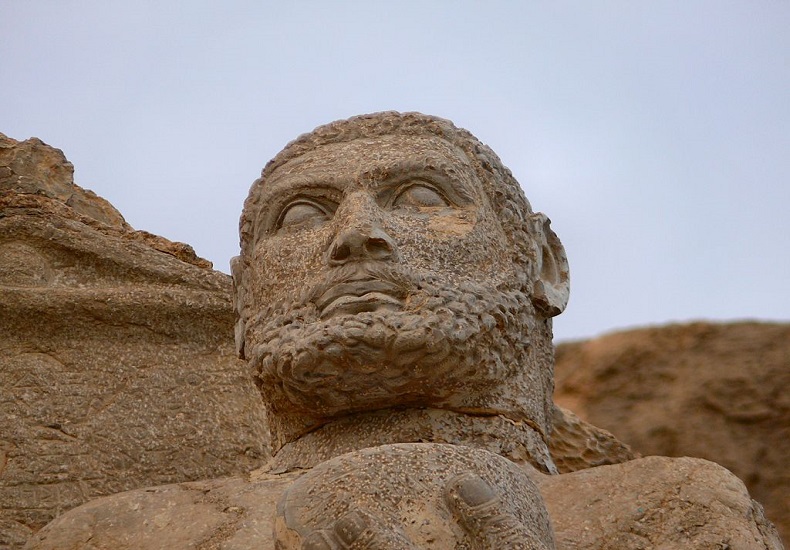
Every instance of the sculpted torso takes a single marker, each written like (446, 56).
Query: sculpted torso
(394, 295)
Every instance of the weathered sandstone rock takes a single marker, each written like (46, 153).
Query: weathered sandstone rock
(714, 391)
(577, 445)
(32, 167)
(394, 296)
(117, 367)
(111, 351)
(654, 503)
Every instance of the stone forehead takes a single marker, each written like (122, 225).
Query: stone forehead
(372, 126)
(502, 189)
(361, 155)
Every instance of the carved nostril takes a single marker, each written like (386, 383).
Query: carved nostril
(341, 252)
(357, 244)
(378, 248)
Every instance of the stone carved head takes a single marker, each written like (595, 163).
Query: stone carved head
(391, 260)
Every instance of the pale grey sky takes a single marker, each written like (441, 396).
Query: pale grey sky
(655, 134)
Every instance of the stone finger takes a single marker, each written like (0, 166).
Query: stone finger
(361, 532)
(487, 522)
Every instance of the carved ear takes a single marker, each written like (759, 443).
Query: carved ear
(551, 287)
(237, 272)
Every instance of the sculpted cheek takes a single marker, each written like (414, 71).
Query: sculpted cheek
(283, 264)
(410, 237)
(460, 246)
(451, 227)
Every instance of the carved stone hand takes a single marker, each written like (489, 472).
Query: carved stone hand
(417, 495)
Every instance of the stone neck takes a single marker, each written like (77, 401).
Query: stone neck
(516, 441)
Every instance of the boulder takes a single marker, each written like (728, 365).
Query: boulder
(656, 503)
(714, 391)
(653, 503)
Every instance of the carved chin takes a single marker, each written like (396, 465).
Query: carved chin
(389, 356)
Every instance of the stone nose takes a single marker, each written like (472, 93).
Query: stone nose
(355, 244)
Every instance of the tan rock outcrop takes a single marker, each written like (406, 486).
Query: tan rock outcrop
(654, 503)
(117, 367)
(116, 360)
(714, 391)
(399, 335)
(32, 167)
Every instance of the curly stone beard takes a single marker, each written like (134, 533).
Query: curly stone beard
(447, 348)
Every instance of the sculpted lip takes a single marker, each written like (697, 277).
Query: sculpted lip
(359, 295)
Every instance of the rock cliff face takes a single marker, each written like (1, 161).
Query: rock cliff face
(118, 372)
(714, 391)
(117, 366)
(117, 362)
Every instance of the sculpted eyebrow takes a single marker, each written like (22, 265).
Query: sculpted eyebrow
(405, 168)
(296, 185)
(439, 171)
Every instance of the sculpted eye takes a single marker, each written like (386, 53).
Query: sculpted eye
(302, 212)
(419, 196)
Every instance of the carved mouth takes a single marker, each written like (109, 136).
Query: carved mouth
(360, 295)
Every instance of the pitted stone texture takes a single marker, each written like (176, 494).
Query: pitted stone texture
(117, 367)
(335, 332)
(395, 256)
(516, 441)
(418, 495)
(656, 503)
(652, 503)
(714, 391)
(576, 445)
(32, 167)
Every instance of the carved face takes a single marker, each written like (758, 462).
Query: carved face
(379, 276)
(391, 204)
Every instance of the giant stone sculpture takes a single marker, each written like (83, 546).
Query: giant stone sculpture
(394, 294)
(405, 266)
